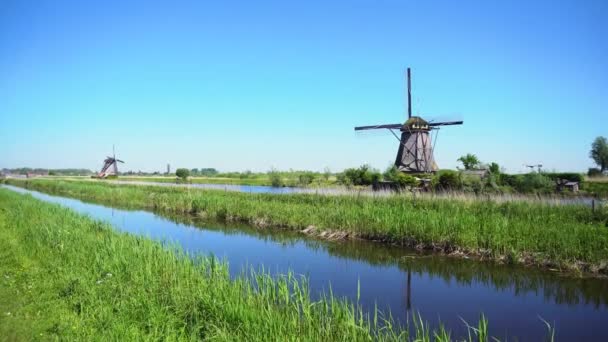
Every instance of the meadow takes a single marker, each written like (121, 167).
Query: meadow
(68, 277)
(568, 237)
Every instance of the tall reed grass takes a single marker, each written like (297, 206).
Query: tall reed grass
(570, 236)
(67, 277)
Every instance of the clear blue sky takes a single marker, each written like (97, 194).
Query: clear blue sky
(254, 85)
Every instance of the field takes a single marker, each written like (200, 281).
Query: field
(286, 179)
(568, 237)
(67, 277)
(597, 186)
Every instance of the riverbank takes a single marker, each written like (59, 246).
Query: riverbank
(67, 277)
(564, 237)
(257, 180)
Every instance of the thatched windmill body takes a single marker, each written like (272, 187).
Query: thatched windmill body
(110, 166)
(415, 153)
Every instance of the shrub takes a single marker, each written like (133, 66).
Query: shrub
(447, 180)
(363, 175)
(494, 168)
(508, 180)
(246, 174)
(535, 182)
(306, 178)
(275, 178)
(182, 173)
(593, 172)
(326, 173)
(406, 180)
(472, 184)
(392, 174)
(571, 176)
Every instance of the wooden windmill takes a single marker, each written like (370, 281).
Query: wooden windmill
(110, 166)
(415, 153)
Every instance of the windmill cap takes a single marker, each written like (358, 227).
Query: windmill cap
(415, 123)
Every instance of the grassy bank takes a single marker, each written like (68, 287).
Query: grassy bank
(596, 187)
(67, 277)
(290, 180)
(556, 236)
(201, 180)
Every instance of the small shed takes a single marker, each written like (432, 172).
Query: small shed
(564, 184)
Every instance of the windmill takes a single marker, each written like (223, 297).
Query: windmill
(531, 167)
(415, 154)
(110, 166)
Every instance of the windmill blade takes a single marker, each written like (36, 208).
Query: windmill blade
(445, 123)
(120, 161)
(389, 126)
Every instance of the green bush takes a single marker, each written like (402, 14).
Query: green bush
(447, 180)
(494, 168)
(182, 173)
(594, 172)
(306, 178)
(508, 180)
(245, 175)
(406, 180)
(535, 183)
(363, 175)
(275, 178)
(571, 176)
(472, 184)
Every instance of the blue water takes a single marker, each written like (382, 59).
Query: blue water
(441, 288)
(256, 189)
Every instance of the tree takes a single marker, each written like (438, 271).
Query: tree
(469, 161)
(182, 173)
(599, 153)
(326, 173)
(494, 168)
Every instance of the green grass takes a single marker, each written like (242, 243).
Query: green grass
(288, 179)
(597, 187)
(202, 180)
(570, 237)
(67, 277)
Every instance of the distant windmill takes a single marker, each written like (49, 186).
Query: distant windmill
(415, 154)
(110, 166)
(533, 166)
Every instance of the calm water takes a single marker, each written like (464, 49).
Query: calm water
(228, 187)
(512, 298)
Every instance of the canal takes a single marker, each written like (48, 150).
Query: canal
(395, 279)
